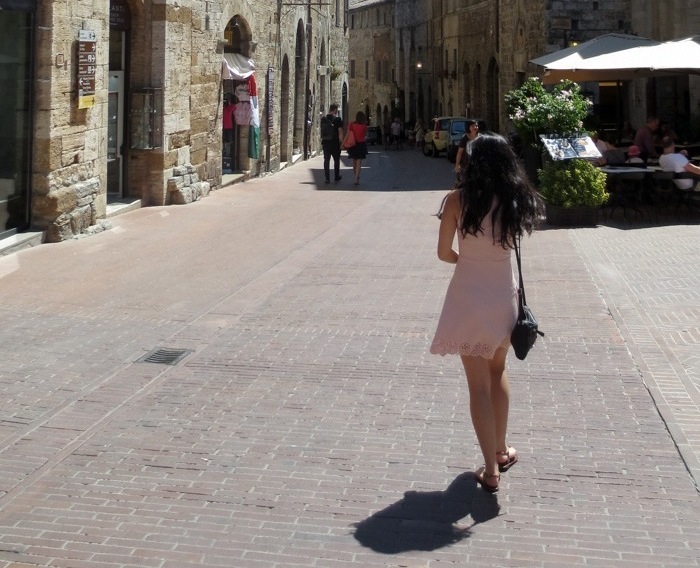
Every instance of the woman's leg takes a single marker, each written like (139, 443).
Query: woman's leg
(356, 166)
(500, 397)
(481, 408)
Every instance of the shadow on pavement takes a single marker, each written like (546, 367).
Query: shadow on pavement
(425, 520)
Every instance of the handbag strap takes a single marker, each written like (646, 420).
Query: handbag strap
(521, 287)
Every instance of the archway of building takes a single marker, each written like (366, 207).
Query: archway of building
(131, 92)
(421, 114)
(344, 103)
(323, 79)
(477, 101)
(119, 138)
(386, 122)
(284, 111)
(237, 111)
(467, 83)
(378, 117)
(17, 56)
(493, 97)
(299, 88)
(431, 104)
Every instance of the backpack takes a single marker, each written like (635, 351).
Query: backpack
(328, 131)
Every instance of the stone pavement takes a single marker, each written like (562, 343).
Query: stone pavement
(309, 426)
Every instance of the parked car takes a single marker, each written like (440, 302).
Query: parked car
(373, 135)
(457, 130)
(443, 130)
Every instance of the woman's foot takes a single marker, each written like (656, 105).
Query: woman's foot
(489, 481)
(506, 459)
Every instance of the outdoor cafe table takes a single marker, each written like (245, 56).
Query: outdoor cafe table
(626, 183)
(617, 170)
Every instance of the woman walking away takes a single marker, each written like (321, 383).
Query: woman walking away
(358, 152)
(492, 206)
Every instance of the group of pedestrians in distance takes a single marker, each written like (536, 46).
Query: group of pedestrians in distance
(333, 141)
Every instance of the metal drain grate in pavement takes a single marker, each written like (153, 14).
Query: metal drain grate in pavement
(165, 356)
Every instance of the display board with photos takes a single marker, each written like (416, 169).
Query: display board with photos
(567, 147)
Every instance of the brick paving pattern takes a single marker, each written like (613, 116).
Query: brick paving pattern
(310, 426)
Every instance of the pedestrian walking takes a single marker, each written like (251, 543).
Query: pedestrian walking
(492, 207)
(419, 133)
(462, 159)
(396, 132)
(358, 152)
(331, 135)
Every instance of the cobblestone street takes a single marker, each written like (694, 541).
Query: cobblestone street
(307, 424)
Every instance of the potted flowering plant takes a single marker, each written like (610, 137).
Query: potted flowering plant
(572, 189)
(535, 110)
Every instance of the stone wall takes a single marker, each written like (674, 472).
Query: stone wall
(175, 47)
(69, 160)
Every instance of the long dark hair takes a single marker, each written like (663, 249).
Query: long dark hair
(494, 173)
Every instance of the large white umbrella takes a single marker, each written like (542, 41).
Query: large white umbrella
(679, 56)
(611, 57)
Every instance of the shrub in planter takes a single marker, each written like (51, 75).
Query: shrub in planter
(572, 183)
(573, 190)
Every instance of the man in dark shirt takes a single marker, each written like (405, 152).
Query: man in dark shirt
(331, 135)
(644, 138)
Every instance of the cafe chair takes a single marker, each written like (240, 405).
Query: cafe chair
(664, 189)
(689, 198)
(625, 192)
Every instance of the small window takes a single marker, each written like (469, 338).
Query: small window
(352, 68)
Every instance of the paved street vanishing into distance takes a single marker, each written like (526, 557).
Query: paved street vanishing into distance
(307, 424)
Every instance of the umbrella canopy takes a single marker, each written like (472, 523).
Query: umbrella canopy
(617, 57)
(680, 55)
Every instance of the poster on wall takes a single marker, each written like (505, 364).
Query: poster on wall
(87, 67)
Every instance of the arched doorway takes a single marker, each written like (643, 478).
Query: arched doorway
(323, 79)
(118, 87)
(299, 89)
(492, 96)
(284, 112)
(17, 56)
(344, 103)
(238, 112)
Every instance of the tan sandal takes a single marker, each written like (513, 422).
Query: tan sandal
(511, 458)
(481, 478)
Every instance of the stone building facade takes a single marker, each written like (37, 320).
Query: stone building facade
(372, 69)
(459, 57)
(113, 99)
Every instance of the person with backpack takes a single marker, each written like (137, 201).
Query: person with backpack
(331, 135)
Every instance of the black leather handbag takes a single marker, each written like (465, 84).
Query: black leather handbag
(526, 330)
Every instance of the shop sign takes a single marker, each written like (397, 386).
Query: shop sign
(119, 17)
(270, 99)
(87, 68)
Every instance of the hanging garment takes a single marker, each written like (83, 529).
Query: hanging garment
(254, 142)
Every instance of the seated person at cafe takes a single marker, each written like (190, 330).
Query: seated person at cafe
(644, 138)
(633, 155)
(600, 142)
(670, 161)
